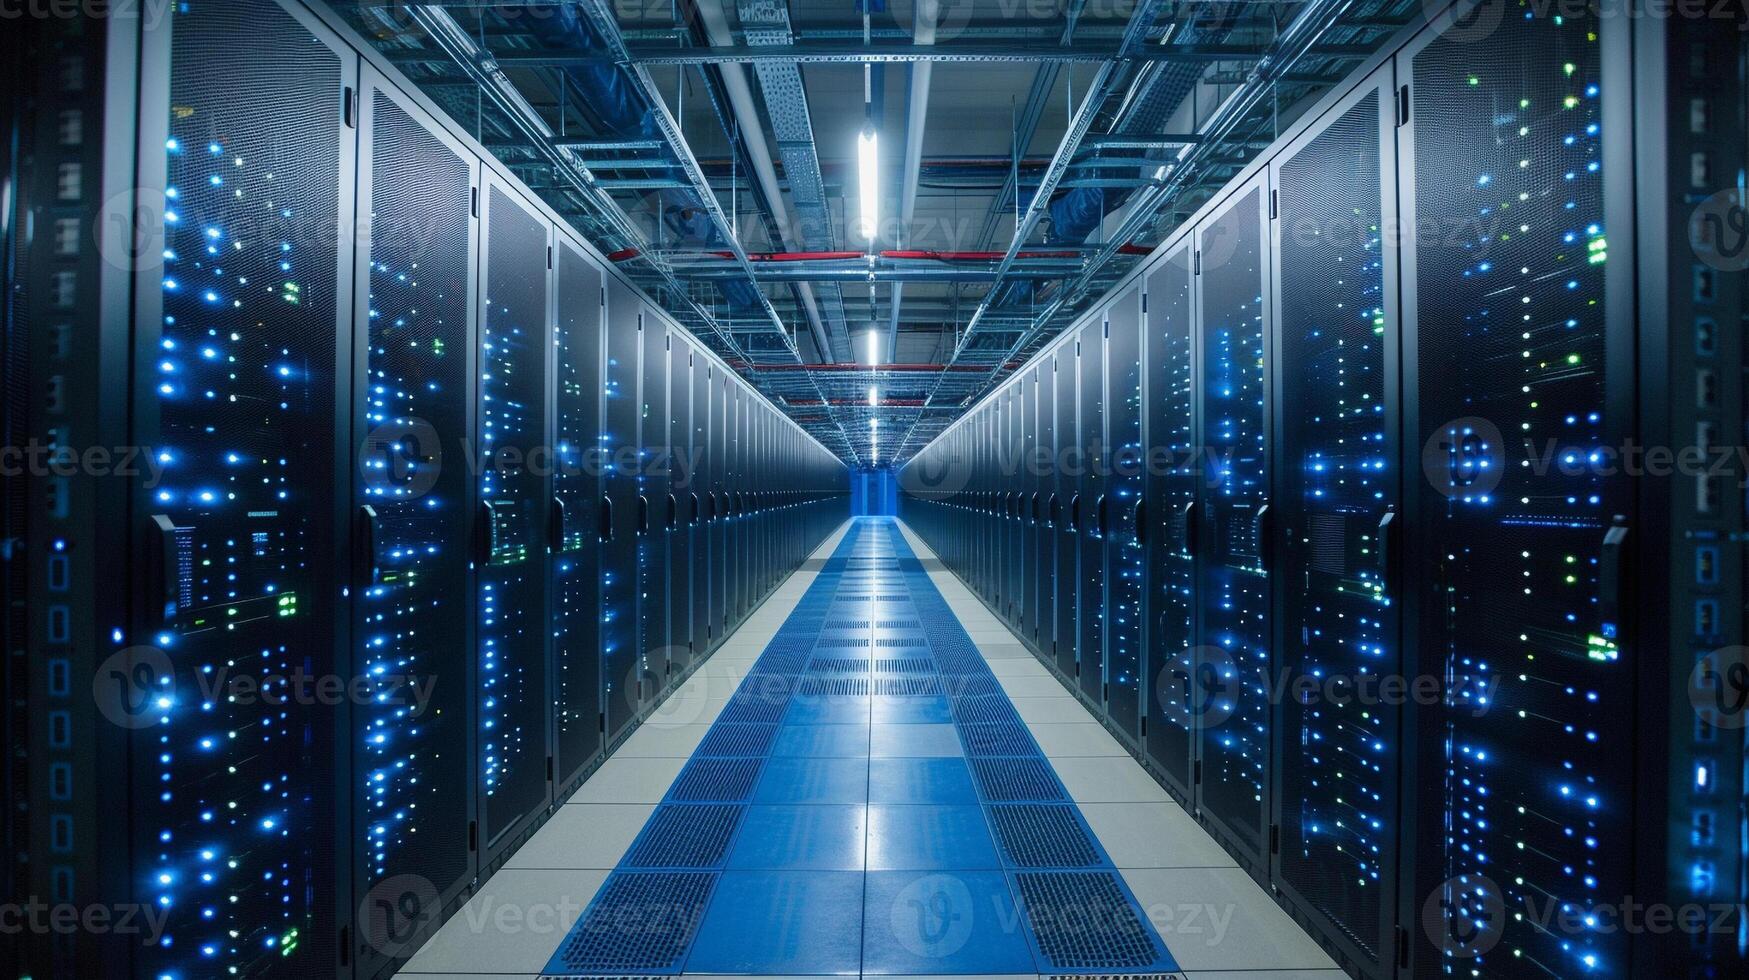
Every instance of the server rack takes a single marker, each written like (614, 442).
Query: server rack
(242, 387)
(511, 525)
(411, 402)
(1090, 582)
(1125, 518)
(576, 546)
(1235, 524)
(1337, 416)
(1066, 374)
(621, 535)
(698, 510)
(677, 522)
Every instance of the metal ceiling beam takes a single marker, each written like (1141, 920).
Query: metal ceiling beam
(874, 52)
(924, 14)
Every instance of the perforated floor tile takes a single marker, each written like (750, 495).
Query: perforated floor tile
(1084, 920)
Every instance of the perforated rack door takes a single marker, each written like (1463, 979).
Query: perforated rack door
(652, 582)
(619, 552)
(244, 389)
(1091, 583)
(512, 521)
(1339, 465)
(1032, 582)
(676, 506)
(411, 745)
(1050, 508)
(1516, 348)
(576, 545)
(1172, 480)
(1068, 525)
(1126, 586)
(698, 486)
(1233, 659)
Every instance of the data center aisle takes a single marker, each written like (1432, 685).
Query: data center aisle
(857, 784)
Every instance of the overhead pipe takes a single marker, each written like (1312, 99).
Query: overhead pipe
(923, 19)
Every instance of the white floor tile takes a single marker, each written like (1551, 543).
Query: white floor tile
(1105, 779)
(583, 836)
(663, 741)
(1031, 687)
(624, 780)
(1153, 835)
(1219, 919)
(1060, 709)
(1075, 741)
(512, 925)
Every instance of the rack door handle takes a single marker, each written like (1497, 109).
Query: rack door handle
(162, 544)
(484, 527)
(604, 530)
(1609, 576)
(643, 514)
(556, 525)
(1387, 542)
(365, 556)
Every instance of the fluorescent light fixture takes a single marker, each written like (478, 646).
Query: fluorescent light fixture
(868, 179)
(874, 348)
(874, 396)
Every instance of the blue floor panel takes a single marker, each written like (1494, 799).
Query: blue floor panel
(920, 781)
(867, 803)
(930, 923)
(795, 923)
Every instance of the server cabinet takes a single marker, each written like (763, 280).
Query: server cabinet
(1068, 524)
(1031, 565)
(413, 636)
(243, 393)
(653, 664)
(698, 487)
(734, 533)
(1176, 468)
(676, 520)
(576, 545)
(512, 523)
(1337, 751)
(1126, 574)
(1518, 327)
(1015, 480)
(1045, 642)
(620, 534)
(1233, 660)
(720, 461)
(1090, 583)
